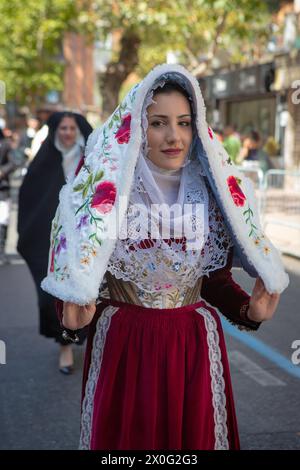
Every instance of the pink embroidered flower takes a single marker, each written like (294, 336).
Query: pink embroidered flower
(167, 286)
(210, 133)
(104, 197)
(237, 194)
(123, 134)
(52, 262)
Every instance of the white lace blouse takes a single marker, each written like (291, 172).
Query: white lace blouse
(162, 265)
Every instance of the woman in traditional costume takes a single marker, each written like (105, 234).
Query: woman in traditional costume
(156, 373)
(56, 160)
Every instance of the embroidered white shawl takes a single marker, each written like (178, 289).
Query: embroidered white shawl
(80, 246)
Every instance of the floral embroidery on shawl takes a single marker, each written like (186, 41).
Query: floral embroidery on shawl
(239, 200)
(58, 247)
(237, 194)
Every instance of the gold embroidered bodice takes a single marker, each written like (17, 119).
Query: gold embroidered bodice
(128, 292)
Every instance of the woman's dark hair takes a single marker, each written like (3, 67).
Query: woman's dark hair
(171, 86)
(68, 114)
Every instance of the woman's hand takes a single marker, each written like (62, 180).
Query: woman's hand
(77, 316)
(262, 305)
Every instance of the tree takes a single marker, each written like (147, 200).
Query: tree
(196, 29)
(31, 34)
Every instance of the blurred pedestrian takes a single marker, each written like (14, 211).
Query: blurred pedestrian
(231, 143)
(43, 114)
(31, 131)
(252, 154)
(38, 198)
(7, 166)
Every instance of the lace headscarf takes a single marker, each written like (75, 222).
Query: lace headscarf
(187, 244)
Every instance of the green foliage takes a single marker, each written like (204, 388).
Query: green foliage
(195, 29)
(31, 34)
(30, 45)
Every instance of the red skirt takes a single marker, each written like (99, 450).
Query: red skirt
(157, 379)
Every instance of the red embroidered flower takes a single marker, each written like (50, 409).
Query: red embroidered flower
(237, 194)
(123, 134)
(210, 133)
(104, 197)
(52, 262)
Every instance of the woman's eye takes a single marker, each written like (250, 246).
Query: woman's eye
(162, 123)
(157, 123)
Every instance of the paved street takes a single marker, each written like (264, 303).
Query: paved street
(40, 407)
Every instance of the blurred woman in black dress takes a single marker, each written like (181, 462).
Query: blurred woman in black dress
(56, 161)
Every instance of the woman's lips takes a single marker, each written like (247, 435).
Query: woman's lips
(172, 151)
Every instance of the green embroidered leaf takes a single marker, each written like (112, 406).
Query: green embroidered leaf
(110, 124)
(98, 176)
(89, 180)
(97, 240)
(85, 191)
(92, 236)
(79, 187)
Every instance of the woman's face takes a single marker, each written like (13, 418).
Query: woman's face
(169, 131)
(67, 132)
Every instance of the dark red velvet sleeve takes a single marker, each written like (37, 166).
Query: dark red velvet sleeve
(222, 292)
